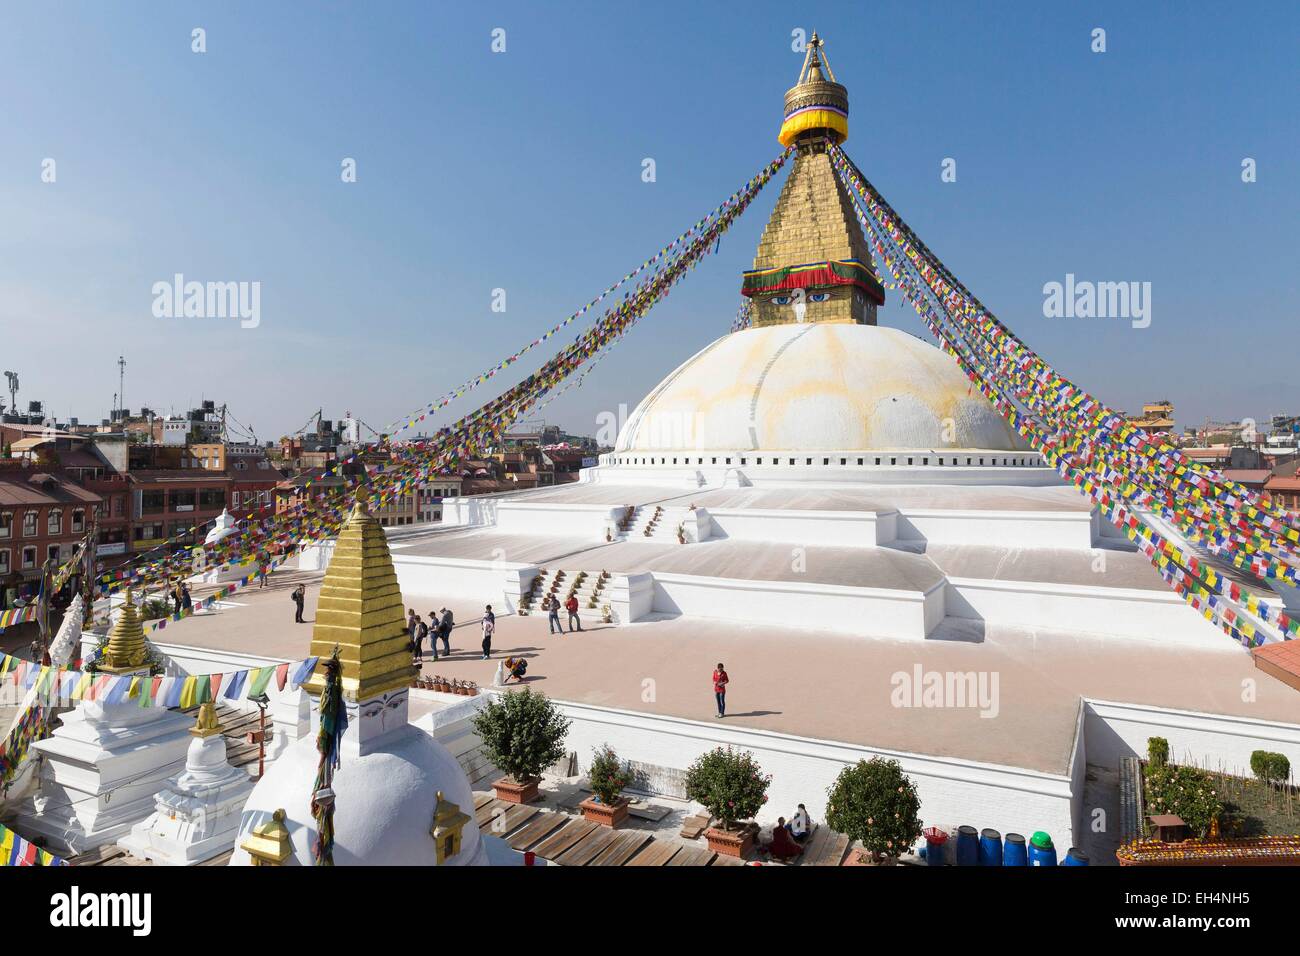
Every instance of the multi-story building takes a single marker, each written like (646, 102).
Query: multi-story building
(43, 516)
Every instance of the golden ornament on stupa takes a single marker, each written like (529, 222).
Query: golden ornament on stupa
(360, 611)
(813, 263)
(125, 649)
(207, 724)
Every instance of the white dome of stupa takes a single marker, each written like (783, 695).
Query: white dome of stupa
(816, 387)
(383, 808)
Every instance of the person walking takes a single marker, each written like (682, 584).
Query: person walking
(299, 598)
(261, 576)
(445, 623)
(421, 632)
(489, 628)
(571, 605)
(187, 602)
(552, 606)
(720, 681)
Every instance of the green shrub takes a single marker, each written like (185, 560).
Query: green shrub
(523, 733)
(875, 803)
(729, 784)
(607, 776)
(1270, 767)
(1185, 791)
(1157, 751)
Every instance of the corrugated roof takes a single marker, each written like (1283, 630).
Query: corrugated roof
(42, 488)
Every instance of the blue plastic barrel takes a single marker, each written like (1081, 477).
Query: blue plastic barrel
(1013, 851)
(1041, 850)
(990, 848)
(968, 847)
(935, 854)
(1075, 857)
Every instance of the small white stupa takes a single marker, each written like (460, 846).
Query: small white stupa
(102, 767)
(198, 814)
(224, 527)
(399, 797)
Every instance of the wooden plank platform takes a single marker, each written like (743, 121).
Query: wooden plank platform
(720, 860)
(480, 799)
(693, 827)
(625, 845)
(537, 829)
(507, 820)
(563, 838)
(657, 853)
(692, 856)
(588, 848)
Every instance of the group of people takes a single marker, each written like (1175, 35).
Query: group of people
(788, 838)
(438, 628)
(551, 605)
(181, 597)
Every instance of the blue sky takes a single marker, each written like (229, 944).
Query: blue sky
(522, 171)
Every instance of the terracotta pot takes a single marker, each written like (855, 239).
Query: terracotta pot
(509, 790)
(730, 842)
(606, 814)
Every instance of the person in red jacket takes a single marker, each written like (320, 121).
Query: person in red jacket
(720, 680)
(571, 605)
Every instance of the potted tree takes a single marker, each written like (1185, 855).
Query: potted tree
(732, 787)
(607, 777)
(523, 734)
(875, 803)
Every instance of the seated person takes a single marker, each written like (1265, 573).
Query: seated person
(783, 846)
(800, 824)
(516, 667)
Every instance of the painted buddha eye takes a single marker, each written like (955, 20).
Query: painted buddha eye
(818, 296)
(781, 300)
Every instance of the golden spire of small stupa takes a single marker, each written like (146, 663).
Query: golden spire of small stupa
(125, 650)
(360, 612)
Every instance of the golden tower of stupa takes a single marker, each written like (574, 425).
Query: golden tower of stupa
(360, 611)
(125, 649)
(813, 263)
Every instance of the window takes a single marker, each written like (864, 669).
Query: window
(4, 560)
(234, 499)
(54, 521)
(79, 520)
(152, 502)
(212, 498)
(29, 558)
(6, 524)
(181, 501)
(118, 505)
(53, 553)
(149, 532)
(29, 524)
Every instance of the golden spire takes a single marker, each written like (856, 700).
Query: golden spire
(360, 611)
(815, 106)
(813, 262)
(125, 649)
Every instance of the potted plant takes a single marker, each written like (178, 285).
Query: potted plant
(523, 734)
(607, 777)
(732, 787)
(875, 803)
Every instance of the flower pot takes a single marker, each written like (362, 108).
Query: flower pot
(509, 790)
(605, 814)
(730, 842)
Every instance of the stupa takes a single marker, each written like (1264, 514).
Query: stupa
(395, 787)
(197, 815)
(106, 762)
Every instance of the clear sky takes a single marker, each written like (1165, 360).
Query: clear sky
(522, 170)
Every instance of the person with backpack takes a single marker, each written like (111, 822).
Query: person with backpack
(489, 628)
(445, 624)
(299, 598)
(421, 632)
